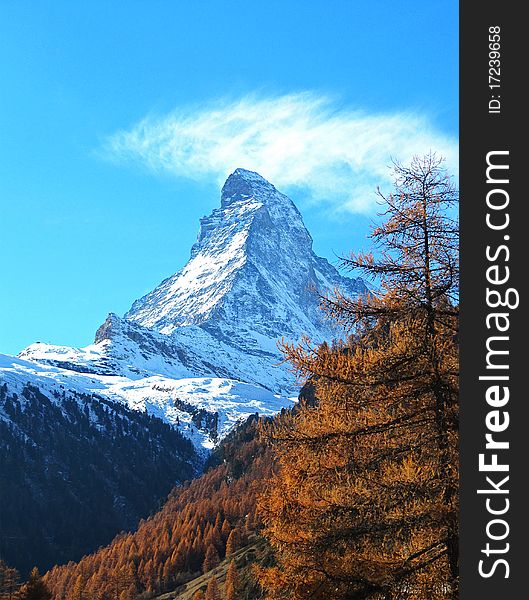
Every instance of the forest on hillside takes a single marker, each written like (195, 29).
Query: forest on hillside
(72, 472)
(354, 492)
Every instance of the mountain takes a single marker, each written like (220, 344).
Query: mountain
(200, 350)
(251, 280)
(117, 423)
(252, 273)
(77, 468)
(214, 514)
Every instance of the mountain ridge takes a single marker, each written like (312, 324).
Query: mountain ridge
(207, 336)
(186, 364)
(253, 249)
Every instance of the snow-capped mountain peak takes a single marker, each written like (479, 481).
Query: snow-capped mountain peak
(252, 269)
(200, 350)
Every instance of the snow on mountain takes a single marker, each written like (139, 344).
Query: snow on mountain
(200, 350)
(121, 348)
(204, 409)
(252, 273)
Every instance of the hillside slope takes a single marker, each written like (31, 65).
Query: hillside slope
(201, 522)
(74, 469)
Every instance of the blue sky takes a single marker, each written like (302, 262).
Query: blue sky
(119, 121)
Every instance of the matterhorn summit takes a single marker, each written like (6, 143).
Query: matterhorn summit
(252, 277)
(200, 351)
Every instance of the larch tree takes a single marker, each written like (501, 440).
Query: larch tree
(235, 541)
(77, 590)
(232, 582)
(211, 560)
(364, 502)
(213, 591)
(34, 588)
(9, 581)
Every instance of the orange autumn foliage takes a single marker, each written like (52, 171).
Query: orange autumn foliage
(364, 504)
(170, 547)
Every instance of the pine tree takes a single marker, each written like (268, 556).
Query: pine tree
(225, 530)
(232, 582)
(212, 591)
(9, 581)
(34, 588)
(235, 540)
(77, 591)
(136, 563)
(211, 560)
(365, 503)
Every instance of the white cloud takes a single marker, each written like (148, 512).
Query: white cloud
(334, 154)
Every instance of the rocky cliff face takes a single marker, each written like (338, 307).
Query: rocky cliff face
(252, 278)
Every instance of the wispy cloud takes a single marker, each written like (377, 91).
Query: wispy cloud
(332, 153)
